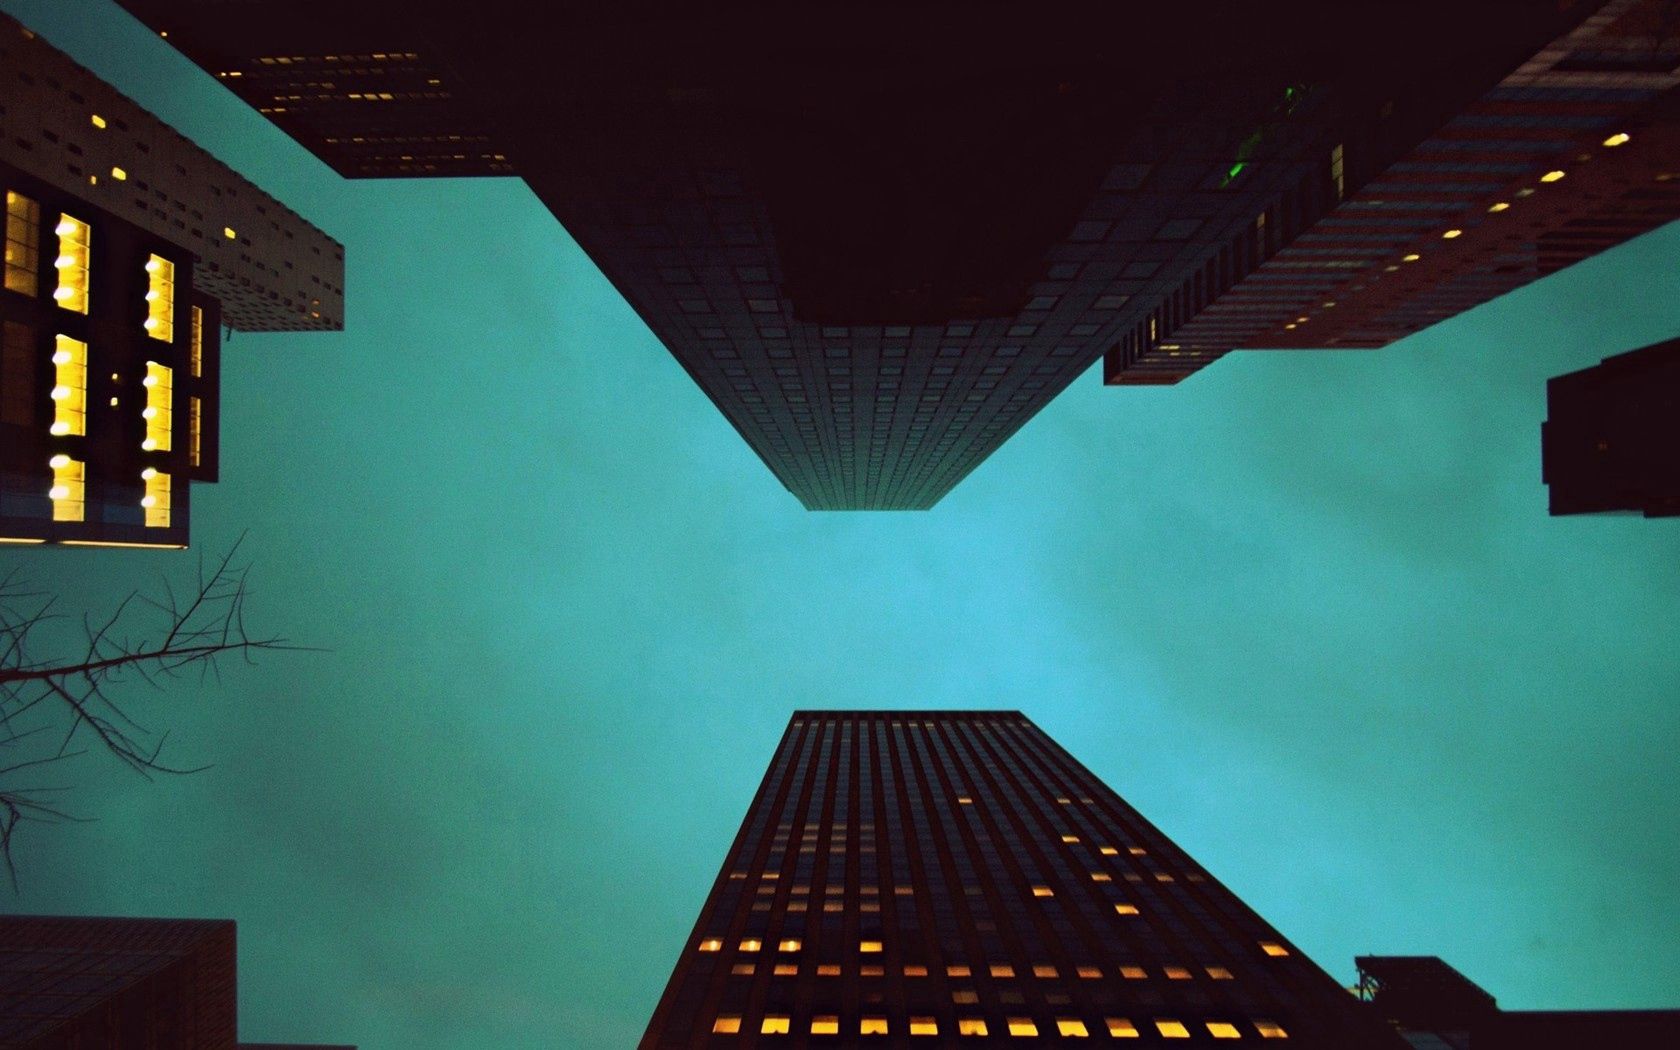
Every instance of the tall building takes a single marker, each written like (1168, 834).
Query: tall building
(881, 238)
(1611, 442)
(1434, 1007)
(128, 249)
(111, 984)
(958, 876)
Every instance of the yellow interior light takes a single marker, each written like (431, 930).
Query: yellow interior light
(1414, 257)
(1552, 176)
(1450, 234)
(148, 474)
(1617, 139)
(59, 461)
(1499, 206)
(119, 174)
(227, 231)
(98, 121)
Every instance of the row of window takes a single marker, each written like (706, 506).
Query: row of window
(1021, 1027)
(1131, 973)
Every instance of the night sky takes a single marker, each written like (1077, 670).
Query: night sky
(1306, 611)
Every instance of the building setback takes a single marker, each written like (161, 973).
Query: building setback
(880, 241)
(128, 249)
(956, 878)
(72, 983)
(1611, 442)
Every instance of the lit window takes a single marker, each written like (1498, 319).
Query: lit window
(775, 1024)
(711, 944)
(1176, 973)
(1273, 948)
(159, 411)
(97, 120)
(1136, 851)
(751, 944)
(1043, 891)
(1499, 206)
(1270, 1030)
(1109, 851)
(828, 970)
(915, 971)
(1125, 909)
(1171, 1029)
(1022, 1026)
(744, 969)
(924, 1026)
(1133, 973)
(1044, 971)
(1002, 970)
(737, 874)
(160, 299)
(1551, 176)
(786, 970)
(1162, 876)
(958, 971)
(964, 800)
(119, 174)
(872, 1026)
(195, 431)
(1101, 876)
(69, 392)
(1089, 973)
(869, 946)
(1072, 1027)
(825, 1024)
(23, 244)
(788, 946)
(965, 995)
(1452, 234)
(1064, 801)
(1619, 138)
(69, 488)
(156, 500)
(1223, 1030)
(726, 1024)
(74, 256)
(227, 231)
(1070, 838)
(872, 971)
(195, 349)
(1120, 1028)
(1413, 257)
(971, 1026)
(1338, 171)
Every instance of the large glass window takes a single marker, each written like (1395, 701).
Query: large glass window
(156, 500)
(196, 347)
(69, 488)
(159, 411)
(23, 244)
(69, 392)
(195, 431)
(160, 299)
(75, 254)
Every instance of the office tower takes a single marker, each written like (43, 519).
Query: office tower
(1611, 440)
(956, 878)
(90, 984)
(880, 239)
(1434, 1007)
(128, 249)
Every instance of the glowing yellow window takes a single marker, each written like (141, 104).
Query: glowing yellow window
(1064, 801)
(159, 411)
(775, 1024)
(744, 969)
(828, 970)
(1070, 838)
(69, 488)
(1223, 1030)
(786, 970)
(1551, 176)
(195, 431)
(195, 345)
(872, 1026)
(1108, 851)
(1022, 1026)
(971, 1026)
(1125, 909)
(1089, 973)
(789, 945)
(74, 257)
(1072, 1027)
(1619, 138)
(23, 244)
(924, 1026)
(1133, 973)
(872, 971)
(1219, 973)
(1270, 1030)
(1136, 851)
(825, 1024)
(1002, 970)
(711, 944)
(1176, 973)
(156, 501)
(726, 1024)
(1101, 876)
(1043, 891)
(869, 946)
(1044, 971)
(915, 971)
(1171, 1029)
(958, 971)
(964, 800)
(69, 392)
(1273, 948)
(97, 120)
(1120, 1028)
(1161, 876)
(751, 944)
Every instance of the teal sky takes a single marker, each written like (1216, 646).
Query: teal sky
(1306, 611)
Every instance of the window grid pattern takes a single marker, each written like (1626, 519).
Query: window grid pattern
(69, 392)
(23, 244)
(160, 299)
(159, 412)
(75, 256)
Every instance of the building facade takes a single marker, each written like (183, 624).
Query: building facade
(956, 878)
(1611, 440)
(72, 983)
(128, 250)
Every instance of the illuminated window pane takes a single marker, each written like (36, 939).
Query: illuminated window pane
(1090, 973)
(157, 499)
(23, 244)
(1177, 973)
(1108, 851)
(74, 257)
(195, 349)
(872, 1026)
(788, 946)
(1171, 1029)
(1002, 970)
(69, 489)
(159, 410)
(726, 1024)
(1273, 948)
(1223, 1030)
(1120, 1028)
(1044, 971)
(869, 946)
(1022, 1026)
(1270, 1030)
(923, 1026)
(1101, 876)
(971, 1026)
(744, 969)
(825, 1024)
(1133, 973)
(775, 1024)
(1136, 851)
(1071, 1026)
(828, 970)
(1219, 973)
(1125, 909)
(1070, 838)
(751, 944)
(710, 944)
(160, 299)
(872, 971)
(915, 971)
(957, 971)
(195, 431)
(786, 970)
(69, 392)
(1043, 891)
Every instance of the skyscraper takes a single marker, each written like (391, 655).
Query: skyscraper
(880, 238)
(72, 983)
(1611, 440)
(127, 250)
(956, 878)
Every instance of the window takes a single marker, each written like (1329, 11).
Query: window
(156, 499)
(1070, 838)
(1089, 973)
(1273, 948)
(744, 969)
(69, 392)
(1136, 851)
(1022, 1026)
(23, 244)
(869, 946)
(726, 1024)
(788, 946)
(825, 1024)
(711, 944)
(1177, 973)
(1043, 891)
(786, 970)
(751, 944)
(160, 299)
(159, 411)
(924, 1026)
(1270, 1030)
(958, 971)
(1044, 971)
(1171, 1029)
(1002, 970)
(872, 1026)
(1223, 1030)
(1219, 973)
(69, 488)
(828, 970)
(1101, 876)
(1108, 851)
(971, 1026)
(195, 348)
(1120, 1028)
(74, 257)
(1133, 973)
(1125, 909)
(965, 995)
(1071, 1026)
(915, 971)
(195, 431)
(1338, 171)
(775, 1024)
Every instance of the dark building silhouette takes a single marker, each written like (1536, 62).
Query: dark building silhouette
(1611, 440)
(127, 249)
(881, 237)
(71, 983)
(1437, 1008)
(958, 876)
